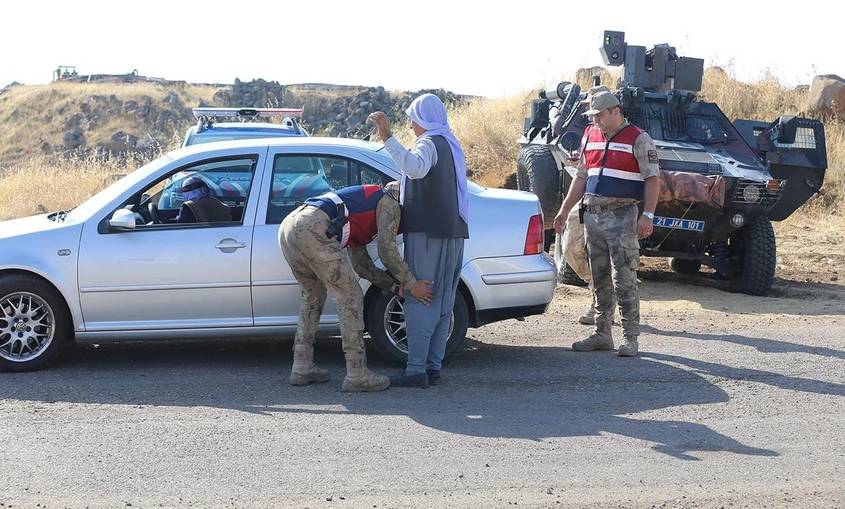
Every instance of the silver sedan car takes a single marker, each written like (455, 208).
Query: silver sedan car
(119, 267)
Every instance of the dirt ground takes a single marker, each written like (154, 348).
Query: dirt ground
(810, 260)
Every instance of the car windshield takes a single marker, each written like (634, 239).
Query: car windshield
(94, 203)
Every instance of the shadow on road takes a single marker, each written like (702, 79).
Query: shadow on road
(495, 391)
(763, 345)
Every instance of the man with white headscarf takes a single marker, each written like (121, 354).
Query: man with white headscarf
(435, 214)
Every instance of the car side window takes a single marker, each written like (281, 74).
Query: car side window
(223, 184)
(299, 177)
(367, 175)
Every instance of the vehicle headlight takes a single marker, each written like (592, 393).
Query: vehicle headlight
(751, 194)
(737, 220)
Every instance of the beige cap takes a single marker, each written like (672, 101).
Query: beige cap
(601, 100)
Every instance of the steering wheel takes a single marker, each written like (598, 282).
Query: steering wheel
(153, 210)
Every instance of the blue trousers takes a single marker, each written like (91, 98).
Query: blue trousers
(439, 261)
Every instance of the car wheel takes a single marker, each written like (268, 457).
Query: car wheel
(386, 323)
(34, 323)
(684, 266)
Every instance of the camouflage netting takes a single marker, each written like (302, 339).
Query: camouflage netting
(680, 189)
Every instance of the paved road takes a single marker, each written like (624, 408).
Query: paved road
(723, 409)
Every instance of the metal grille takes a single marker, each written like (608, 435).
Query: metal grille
(805, 137)
(674, 125)
(768, 197)
(638, 117)
(679, 126)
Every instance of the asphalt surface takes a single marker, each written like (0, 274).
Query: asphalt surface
(725, 407)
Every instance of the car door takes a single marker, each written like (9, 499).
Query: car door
(168, 275)
(293, 177)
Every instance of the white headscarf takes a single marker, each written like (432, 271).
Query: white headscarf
(429, 113)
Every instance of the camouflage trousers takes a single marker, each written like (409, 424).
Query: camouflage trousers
(614, 253)
(319, 264)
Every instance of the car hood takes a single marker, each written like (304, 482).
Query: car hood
(29, 225)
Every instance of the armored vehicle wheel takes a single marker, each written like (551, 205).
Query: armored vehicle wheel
(567, 276)
(536, 171)
(684, 266)
(522, 179)
(754, 254)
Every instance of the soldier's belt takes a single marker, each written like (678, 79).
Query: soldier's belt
(605, 208)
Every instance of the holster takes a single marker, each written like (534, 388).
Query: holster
(335, 229)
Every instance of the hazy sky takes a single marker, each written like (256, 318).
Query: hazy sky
(494, 49)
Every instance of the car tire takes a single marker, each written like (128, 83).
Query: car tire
(567, 276)
(684, 266)
(537, 164)
(754, 250)
(386, 342)
(47, 326)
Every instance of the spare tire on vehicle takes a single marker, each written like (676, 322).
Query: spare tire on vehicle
(536, 171)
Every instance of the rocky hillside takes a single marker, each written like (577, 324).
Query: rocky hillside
(115, 118)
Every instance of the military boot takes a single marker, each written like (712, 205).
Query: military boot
(594, 342)
(304, 371)
(359, 378)
(588, 318)
(629, 347)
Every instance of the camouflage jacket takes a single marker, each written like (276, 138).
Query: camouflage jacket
(388, 215)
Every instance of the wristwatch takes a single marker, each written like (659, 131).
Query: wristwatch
(649, 215)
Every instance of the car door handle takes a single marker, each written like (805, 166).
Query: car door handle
(230, 245)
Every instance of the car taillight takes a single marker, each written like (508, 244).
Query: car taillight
(534, 237)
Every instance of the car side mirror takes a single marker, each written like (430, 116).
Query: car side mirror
(570, 141)
(785, 129)
(122, 220)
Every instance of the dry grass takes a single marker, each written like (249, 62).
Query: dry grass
(34, 115)
(42, 185)
(487, 128)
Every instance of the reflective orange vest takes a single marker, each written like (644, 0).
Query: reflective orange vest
(612, 169)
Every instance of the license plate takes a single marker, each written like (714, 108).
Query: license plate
(679, 224)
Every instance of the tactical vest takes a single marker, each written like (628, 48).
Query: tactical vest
(360, 203)
(612, 169)
(431, 203)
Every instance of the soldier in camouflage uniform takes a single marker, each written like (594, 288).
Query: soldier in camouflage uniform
(315, 255)
(617, 169)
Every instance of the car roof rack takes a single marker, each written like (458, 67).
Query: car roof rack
(206, 116)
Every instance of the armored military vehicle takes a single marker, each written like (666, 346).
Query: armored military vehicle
(722, 183)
